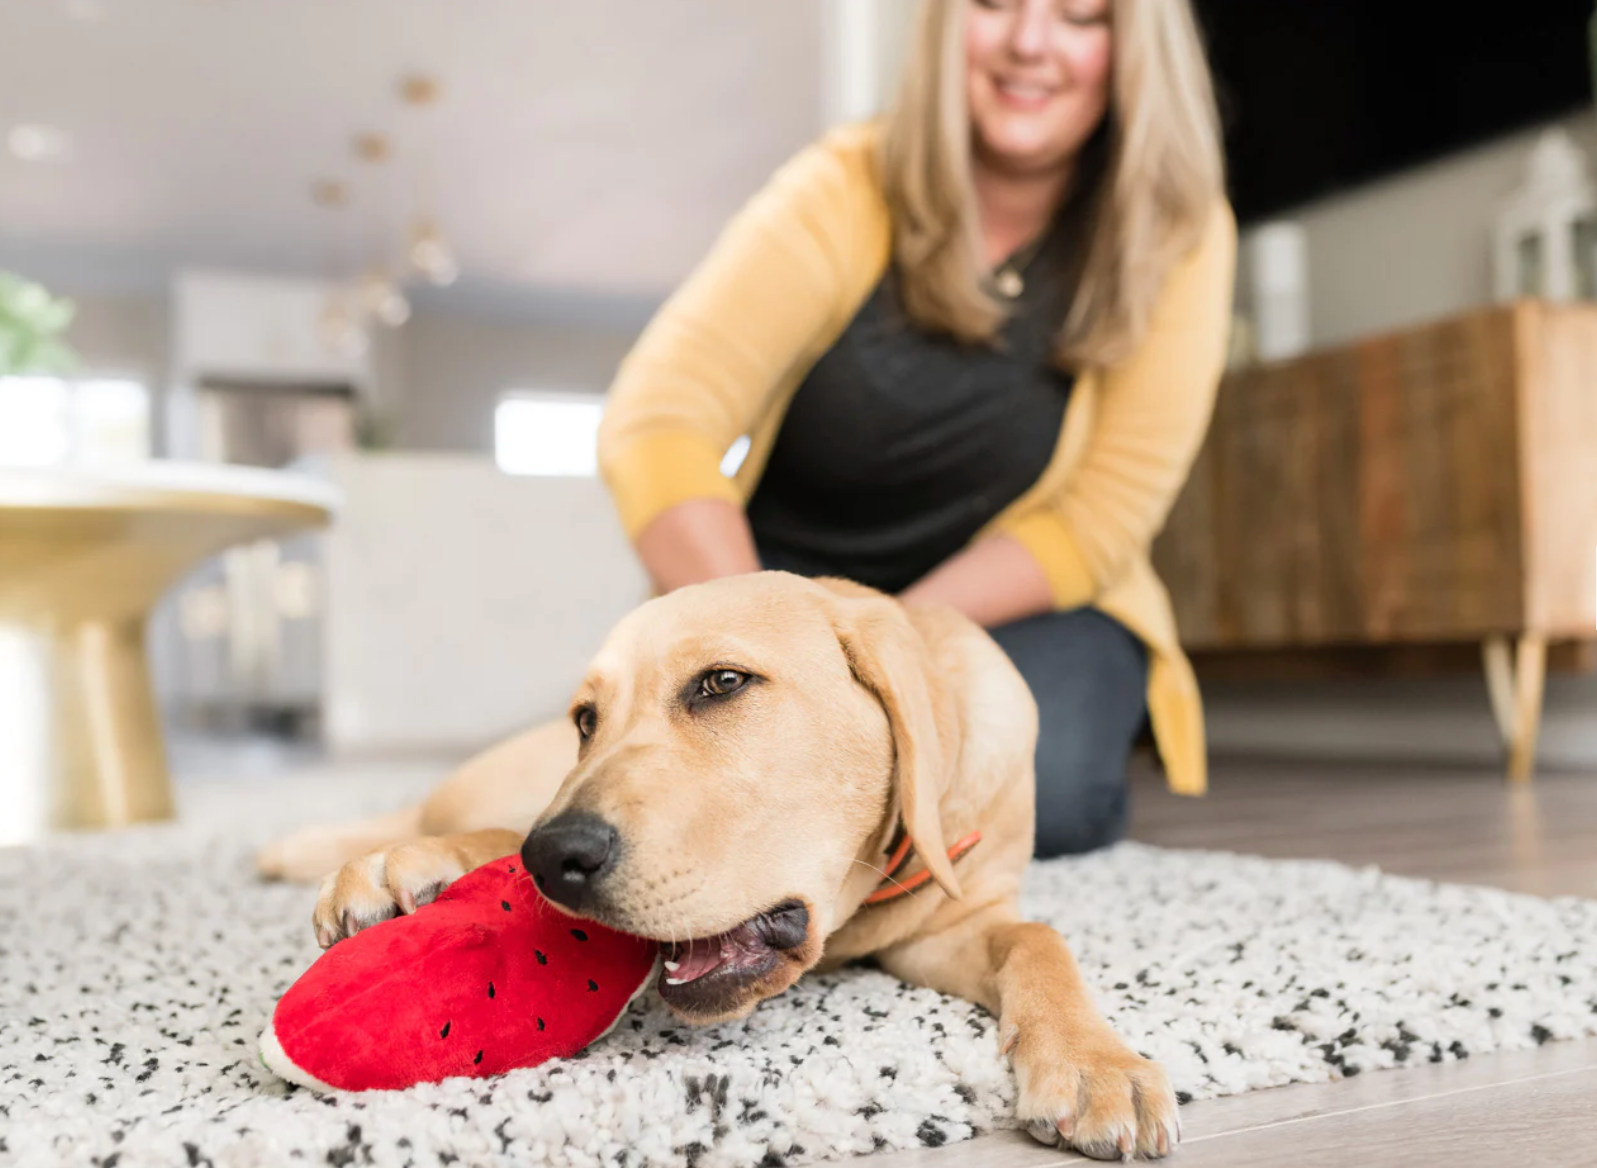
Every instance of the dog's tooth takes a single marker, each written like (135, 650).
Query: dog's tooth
(673, 966)
(676, 981)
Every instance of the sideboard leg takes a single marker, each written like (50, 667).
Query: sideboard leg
(1497, 655)
(1530, 675)
(1515, 680)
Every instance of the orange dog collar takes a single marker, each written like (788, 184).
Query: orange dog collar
(892, 888)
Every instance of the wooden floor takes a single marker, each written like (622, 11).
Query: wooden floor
(1523, 1107)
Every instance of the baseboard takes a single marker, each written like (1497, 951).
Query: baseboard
(1445, 721)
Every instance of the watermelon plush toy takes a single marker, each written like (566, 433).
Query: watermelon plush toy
(485, 979)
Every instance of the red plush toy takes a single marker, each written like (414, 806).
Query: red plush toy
(487, 978)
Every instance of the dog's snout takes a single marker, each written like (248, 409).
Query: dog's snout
(569, 855)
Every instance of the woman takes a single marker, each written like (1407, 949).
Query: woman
(974, 348)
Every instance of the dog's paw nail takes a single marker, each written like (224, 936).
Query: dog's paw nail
(1163, 1142)
(407, 901)
(351, 923)
(1008, 1035)
(1127, 1144)
(1043, 1132)
(1067, 1126)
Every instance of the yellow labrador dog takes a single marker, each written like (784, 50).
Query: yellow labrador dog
(741, 761)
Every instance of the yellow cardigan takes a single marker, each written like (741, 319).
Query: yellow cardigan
(725, 354)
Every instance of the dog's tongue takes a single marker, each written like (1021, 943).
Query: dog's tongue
(741, 946)
(697, 959)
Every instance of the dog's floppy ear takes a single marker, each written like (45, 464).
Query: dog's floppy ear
(889, 658)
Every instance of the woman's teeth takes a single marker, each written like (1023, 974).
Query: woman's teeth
(1025, 92)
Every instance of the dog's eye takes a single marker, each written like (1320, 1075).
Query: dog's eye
(587, 720)
(720, 682)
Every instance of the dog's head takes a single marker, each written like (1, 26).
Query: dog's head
(744, 743)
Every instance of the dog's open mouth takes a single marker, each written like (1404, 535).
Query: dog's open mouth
(716, 967)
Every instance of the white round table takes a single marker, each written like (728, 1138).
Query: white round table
(84, 556)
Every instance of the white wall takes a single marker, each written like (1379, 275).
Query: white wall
(438, 378)
(863, 44)
(123, 335)
(1415, 246)
(453, 369)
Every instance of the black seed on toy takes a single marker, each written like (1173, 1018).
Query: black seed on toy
(505, 904)
(579, 934)
(542, 960)
(593, 986)
(478, 1059)
(444, 1033)
(540, 1023)
(490, 989)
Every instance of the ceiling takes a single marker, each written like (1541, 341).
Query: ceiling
(588, 149)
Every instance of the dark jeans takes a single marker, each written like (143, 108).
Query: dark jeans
(1089, 676)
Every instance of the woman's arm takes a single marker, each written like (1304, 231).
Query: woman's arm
(994, 581)
(764, 301)
(696, 541)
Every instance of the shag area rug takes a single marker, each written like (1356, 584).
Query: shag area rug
(138, 969)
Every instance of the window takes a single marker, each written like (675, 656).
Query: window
(558, 434)
(52, 421)
(548, 434)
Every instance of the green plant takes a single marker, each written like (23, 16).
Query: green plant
(31, 324)
(374, 430)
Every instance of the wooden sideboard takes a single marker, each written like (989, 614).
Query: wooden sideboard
(1384, 505)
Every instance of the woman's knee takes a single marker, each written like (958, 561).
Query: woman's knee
(1082, 797)
(1088, 674)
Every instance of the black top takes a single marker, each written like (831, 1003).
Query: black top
(900, 445)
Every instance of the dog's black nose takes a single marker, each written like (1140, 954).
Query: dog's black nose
(569, 855)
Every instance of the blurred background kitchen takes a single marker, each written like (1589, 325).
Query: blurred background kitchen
(399, 246)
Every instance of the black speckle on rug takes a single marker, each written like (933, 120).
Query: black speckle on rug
(137, 970)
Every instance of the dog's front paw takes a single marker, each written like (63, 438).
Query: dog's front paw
(1094, 1095)
(374, 888)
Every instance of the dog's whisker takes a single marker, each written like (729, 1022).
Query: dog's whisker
(880, 872)
(894, 881)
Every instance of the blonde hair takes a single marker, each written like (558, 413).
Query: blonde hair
(1144, 187)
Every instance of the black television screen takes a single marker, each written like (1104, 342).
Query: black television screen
(1320, 95)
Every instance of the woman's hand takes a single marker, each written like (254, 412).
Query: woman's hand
(699, 540)
(993, 582)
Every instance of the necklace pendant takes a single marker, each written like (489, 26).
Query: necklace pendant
(1009, 283)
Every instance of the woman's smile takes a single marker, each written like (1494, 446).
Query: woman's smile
(1025, 96)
